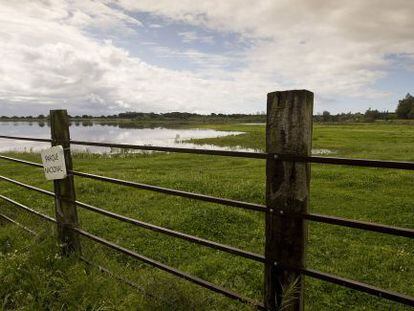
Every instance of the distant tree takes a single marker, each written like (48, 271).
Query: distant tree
(372, 115)
(405, 108)
(326, 116)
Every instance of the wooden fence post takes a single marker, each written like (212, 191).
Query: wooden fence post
(66, 213)
(289, 132)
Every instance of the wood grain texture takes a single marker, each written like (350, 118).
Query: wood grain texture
(66, 212)
(288, 131)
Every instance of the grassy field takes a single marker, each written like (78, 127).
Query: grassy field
(35, 277)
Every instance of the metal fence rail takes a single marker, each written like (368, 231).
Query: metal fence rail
(183, 236)
(369, 289)
(171, 270)
(334, 220)
(347, 161)
(363, 225)
(154, 263)
(90, 263)
(45, 140)
(273, 160)
(403, 165)
(11, 220)
(390, 295)
(237, 154)
(359, 286)
(180, 193)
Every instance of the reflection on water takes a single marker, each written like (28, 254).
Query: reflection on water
(122, 133)
(108, 132)
(323, 151)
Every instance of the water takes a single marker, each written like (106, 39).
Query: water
(322, 151)
(114, 133)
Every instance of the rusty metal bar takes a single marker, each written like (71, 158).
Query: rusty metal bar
(238, 154)
(359, 286)
(185, 194)
(171, 270)
(147, 260)
(103, 269)
(363, 225)
(21, 161)
(45, 140)
(345, 161)
(112, 274)
(28, 209)
(187, 237)
(123, 279)
(368, 226)
(49, 193)
(180, 193)
(17, 224)
(255, 155)
(311, 159)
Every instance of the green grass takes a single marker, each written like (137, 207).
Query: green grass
(369, 140)
(378, 195)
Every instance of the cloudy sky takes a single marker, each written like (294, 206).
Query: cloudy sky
(104, 57)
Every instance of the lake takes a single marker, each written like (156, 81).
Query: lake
(117, 133)
(114, 133)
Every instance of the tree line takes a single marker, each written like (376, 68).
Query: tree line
(405, 110)
(152, 116)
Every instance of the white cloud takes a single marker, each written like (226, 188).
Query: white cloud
(335, 49)
(47, 61)
(192, 36)
(98, 74)
(332, 47)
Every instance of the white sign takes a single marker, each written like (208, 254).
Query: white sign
(54, 163)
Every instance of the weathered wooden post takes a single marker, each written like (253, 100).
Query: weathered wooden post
(288, 132)
(66, 213)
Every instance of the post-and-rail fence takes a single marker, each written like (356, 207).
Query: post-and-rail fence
(288, 158)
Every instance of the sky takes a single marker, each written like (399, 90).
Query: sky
(106, 57)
